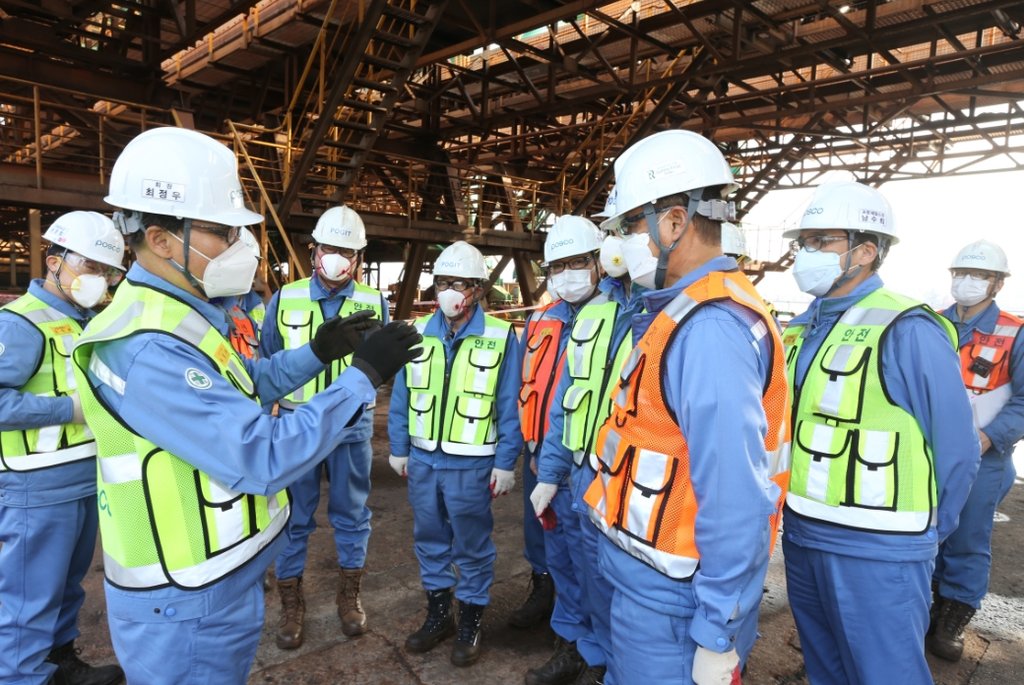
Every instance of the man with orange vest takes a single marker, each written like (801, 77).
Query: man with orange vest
(991, 359)
(883, 449)
(693, 459)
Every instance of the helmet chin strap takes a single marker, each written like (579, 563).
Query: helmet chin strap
(193, 281)
(60, 286)
(846, 275)
(651, 214)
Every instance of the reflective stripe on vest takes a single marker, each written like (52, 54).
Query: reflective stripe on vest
(642, 498)
(541, 370)
(859, 460)
(242, 334)
(456, 410)
(32, 449)
(994, 350)
(298, 317)
(587, 401)
(163, 521)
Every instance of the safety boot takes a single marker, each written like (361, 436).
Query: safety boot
(71, 670)
(439, 624)
(564, 666)
(538, 605)
(935, 610)
(466, 649)
(594, 675)
(948, 640)
(293, 613)
(350, 609)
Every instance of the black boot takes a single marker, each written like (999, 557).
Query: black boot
(948, 641)
(936, 609)
(594, 675)
(466, 649)
(439, 624)
(71, 670)
(564, 666)
(538, 605)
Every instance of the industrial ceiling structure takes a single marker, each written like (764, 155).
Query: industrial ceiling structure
(474, 119)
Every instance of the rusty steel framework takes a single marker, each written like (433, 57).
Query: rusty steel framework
(462, 118)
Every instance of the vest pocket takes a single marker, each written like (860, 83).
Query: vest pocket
(528, 400)
(845, 367)
(481, 373)
(536, 351)
(875, 471)
(576, 404)
(581, 338)
(828, 449)
(297, 328)
(647, 492)
(422, 406)
(228, 517)
(417, 373)
(472, 418)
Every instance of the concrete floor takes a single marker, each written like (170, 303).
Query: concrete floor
(395, 604)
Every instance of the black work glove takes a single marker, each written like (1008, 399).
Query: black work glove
(337, 337)
(385, 352)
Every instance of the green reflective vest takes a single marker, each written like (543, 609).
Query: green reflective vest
(859, 460)
(40, 448)
(587, 402)
(298, 317)
(456, 408)
(163, 521)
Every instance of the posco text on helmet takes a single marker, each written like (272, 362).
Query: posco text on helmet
(848, 206)
(181, 173)
(89, 234)
(461, 260)
(982, 254)
(671, 163)
(340, 227)
(570, 236)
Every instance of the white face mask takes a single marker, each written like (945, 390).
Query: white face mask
(572, 285)
(642, 265)
(452, 303)
(816, 272)
(88, 290)
(612, 260)
(229, 273)
(334, 267)
(969, 291)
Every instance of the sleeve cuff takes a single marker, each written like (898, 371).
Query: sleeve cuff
(710, 636)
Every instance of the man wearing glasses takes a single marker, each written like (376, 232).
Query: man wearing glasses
(454, 431)
(691, 461)
(297, 310)
(991, 363)
(48, 457)
(191, 471)
(884, 452)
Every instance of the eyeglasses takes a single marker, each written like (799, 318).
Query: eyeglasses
(813, 243)
(229, 234)
(457, 284)
(580, 262)
(343, 251)
(82, 265)
(980, 274)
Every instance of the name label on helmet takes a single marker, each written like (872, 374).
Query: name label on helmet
(872, 216)
(163, 190)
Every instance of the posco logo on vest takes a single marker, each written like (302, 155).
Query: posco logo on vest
(197, 379)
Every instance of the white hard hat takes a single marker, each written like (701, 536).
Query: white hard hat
(848, 206)
(670, 163)
(609, 206)
(341, 227)
(570, 236)
(89, 234)
(982, 254)
(460, 260)
(733, 240)
(180, 173)
(249, 240)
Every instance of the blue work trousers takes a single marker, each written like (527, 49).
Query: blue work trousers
(860, 621)
(348, 477)
(533, 533)
(965, 558)
(452, 525)
(45, 554)
(190, 647)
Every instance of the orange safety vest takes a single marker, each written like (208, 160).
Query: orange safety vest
(542, 368)
(642, 499)
(243, 333)
(985, 361)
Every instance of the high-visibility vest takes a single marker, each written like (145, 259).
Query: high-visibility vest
(456, 407)
(298, 317)
(993, 350)
(859, 459)
(243, 333)
(540, 373)
(587, 402)
(163, 521)
(642, 498)
(258, 314)
(31, 449)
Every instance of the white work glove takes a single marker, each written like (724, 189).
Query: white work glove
(501, 481)
(541, 496)
(399, 464)
(714, 668)
(76, 409)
